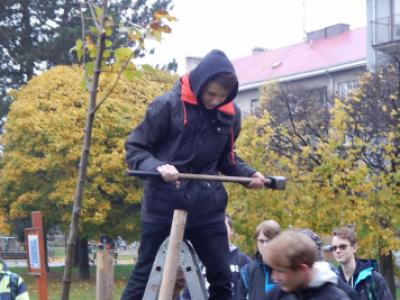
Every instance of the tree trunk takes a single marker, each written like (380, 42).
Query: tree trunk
(84, 271)
(27, 64)
(73, 227)
(387, 270)
(77, 252)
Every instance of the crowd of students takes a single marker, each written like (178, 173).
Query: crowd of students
(289, 265)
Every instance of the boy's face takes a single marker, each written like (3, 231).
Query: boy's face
(342, 250)
(213, 95)
(262, 241)
(289, 280)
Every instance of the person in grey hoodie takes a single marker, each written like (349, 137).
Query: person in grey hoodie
(293, 258)
(350, 292)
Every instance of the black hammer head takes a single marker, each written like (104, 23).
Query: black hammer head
(276, 182)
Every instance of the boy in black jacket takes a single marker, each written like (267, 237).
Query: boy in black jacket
(190, 129)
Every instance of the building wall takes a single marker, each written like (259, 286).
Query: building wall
(333, 82)
(376, 10)
(245, 99)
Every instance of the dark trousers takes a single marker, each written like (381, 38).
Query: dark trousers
(211, 244)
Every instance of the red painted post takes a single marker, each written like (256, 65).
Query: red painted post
(42, 277)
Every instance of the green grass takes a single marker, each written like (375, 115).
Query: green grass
(59, 251)
(80, 289)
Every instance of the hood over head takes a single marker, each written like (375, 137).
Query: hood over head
(322, 274)
(215, 62)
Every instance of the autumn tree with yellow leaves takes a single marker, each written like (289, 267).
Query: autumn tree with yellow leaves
(48, 140)
(42, 148)
(95, 51)
(342, 164)
(283, 139)
(370, 122)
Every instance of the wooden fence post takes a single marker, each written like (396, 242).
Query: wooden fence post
(104, 274)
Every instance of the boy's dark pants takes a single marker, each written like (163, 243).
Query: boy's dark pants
(211, 244)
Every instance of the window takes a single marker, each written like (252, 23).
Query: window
(253, 106)
(396, 19)
(345, 87)
(321, 95)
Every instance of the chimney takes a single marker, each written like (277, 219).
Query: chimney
(327, 32)
(191, 62)
(258, 50)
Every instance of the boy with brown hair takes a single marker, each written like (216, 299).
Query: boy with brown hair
(361, 275)
(256, 276)
(292, 256)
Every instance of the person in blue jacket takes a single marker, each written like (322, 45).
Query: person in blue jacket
(359, 274)
(189, 129)
(256, 278)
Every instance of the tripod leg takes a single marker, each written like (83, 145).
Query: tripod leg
(191, 270)
(153, 284)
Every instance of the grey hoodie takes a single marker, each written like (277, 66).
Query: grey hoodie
(321, 287)
(322, 274)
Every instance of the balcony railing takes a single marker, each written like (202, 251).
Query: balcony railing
(385, 30)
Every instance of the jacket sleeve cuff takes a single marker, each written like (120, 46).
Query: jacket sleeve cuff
(150, 165)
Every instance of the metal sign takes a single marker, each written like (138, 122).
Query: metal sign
(32, 249)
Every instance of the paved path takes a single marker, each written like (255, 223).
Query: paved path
(24, 263)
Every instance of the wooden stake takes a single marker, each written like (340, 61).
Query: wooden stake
(173, 254)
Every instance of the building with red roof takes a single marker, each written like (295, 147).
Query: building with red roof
(330, 61)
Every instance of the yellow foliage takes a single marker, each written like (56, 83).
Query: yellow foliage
(340, 190)
(43, 143)
(5, 228)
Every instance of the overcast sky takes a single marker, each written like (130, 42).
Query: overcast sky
(237, 26)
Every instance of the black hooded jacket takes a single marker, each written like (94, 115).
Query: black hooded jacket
(367, 282)
(178, 130)
(255, 280)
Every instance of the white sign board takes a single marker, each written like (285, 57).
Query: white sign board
(33, 247)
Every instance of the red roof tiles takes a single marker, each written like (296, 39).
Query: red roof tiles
(347, 47)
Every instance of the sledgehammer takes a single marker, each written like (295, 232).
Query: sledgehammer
(272, 182)
(169, 269)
